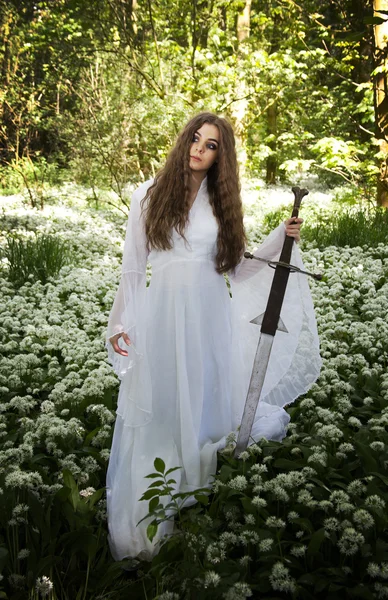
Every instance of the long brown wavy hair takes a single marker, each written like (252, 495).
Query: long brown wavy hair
(167, 200)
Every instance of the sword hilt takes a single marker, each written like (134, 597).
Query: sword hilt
(278, 288)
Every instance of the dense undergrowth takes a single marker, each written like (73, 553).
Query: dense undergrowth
(305, 518)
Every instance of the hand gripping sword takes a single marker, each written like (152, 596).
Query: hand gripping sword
(270, 322)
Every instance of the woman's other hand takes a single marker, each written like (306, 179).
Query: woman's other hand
(292, 227)
(114, 340)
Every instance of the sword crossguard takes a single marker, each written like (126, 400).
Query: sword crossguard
(292, 268)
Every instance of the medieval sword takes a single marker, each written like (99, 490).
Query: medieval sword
(270, 322)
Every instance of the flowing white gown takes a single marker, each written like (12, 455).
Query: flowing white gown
(184, 383)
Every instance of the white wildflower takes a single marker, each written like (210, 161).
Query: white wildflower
(248, 537)
(304, 497)
(215, 554)
(381, 591)
(47, 406)
(373, 569)
(292, 515)
(298, 551)
(275, 522)
(280, 579)
(356, 487)
(89, 491)
(44, 586)
(259, 502)
(259, 468)
(354, 422)
(249, 519)
(211, 579)
(266, 545)
(346, 447)
(244, 455)
(377, 446)
(238, 483)
(331, 524)
(239, 591)
(375, 502)
(350, 541)
(363, 519)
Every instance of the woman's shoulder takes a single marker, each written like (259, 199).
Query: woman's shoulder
(140, 192)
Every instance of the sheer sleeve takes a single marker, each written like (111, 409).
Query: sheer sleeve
(126, 314)
(270, 250)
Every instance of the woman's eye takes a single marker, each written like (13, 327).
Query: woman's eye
(195, 138)
(212, 147)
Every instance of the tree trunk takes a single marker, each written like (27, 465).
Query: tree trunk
(381, 98)
(244, 22)
(240, 106)
(271, 163)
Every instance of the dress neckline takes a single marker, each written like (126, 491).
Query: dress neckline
(202, 188)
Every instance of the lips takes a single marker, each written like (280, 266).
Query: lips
(196, 158)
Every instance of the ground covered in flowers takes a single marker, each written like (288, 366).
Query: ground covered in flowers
(306, 518)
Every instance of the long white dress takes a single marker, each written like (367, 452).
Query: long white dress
(184, 383)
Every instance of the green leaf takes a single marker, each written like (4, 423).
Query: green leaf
(171, 470)
(202, 499)
(365, 454)
(153, 504)
(288, 465)
(95, 497)
(156, 483)
(153, 476)
(383, 478)
(159, 465)
(316, 540)
(151, 530)
(70, 483)
(150, 494)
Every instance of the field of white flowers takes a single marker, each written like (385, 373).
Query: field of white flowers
(306, 518)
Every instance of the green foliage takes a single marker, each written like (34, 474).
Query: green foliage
(106, 96)
(34, 259)
(35, 177)
(349, 228)
(273, 218)
(284, 519)
(66, 536)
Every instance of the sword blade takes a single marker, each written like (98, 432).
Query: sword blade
(259, 370)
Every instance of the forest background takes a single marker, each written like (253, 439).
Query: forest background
(92, 96)
(97, 91)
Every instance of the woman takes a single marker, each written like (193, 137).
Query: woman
(183, 349)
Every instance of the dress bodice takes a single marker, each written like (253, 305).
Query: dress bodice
(201, 236)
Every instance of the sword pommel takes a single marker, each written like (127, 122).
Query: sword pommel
(299, 194)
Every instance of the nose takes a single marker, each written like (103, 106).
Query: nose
(199, 148)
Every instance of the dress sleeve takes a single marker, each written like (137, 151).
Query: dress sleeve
(126, 314)
(269, 249)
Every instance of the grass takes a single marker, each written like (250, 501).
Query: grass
(35, 259)
(349, 228)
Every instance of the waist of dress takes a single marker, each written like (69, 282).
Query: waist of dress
(200, 262)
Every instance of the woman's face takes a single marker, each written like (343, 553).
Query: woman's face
(204, 148)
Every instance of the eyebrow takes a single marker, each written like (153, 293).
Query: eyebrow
(209, 139)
